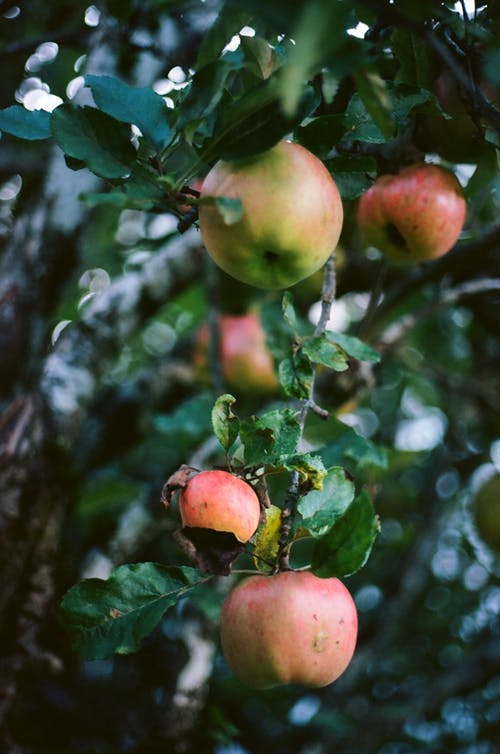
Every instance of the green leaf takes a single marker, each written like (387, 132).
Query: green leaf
(132, 104)
(100, 141)
(288, 311)
(321, 134)
(320, 509)
(413, 56)
(374, 92)
(353, 175)
(296, 375)
(267, 539)
(346, 444)
(114, 615)
(267, 437)
(226, 425)
(205, 91)
(347, 546)
(359, 123)
(354, 346)
(25, 124)
(255, 122)
(310, 468)
(321, 350)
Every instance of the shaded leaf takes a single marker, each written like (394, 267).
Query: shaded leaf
(100, 141)
(114, 615)
(374, 92)
(132, 104)
(320, 509)
(344, 444)
(347, 546)
(25, 124)
(353, 175)
(255, 122)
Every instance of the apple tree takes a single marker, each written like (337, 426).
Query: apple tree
(249, 383)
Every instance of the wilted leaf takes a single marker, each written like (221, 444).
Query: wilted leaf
(267, 540)
(114, 615)
(347, 546)
(176, 481)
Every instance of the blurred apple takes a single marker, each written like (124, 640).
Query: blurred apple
(246, 361)
(413, 216)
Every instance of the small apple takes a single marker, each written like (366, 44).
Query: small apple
(413, 216)
(292, 216)
(487, 511)
(292, 627)
(247, 363)
(220, 501)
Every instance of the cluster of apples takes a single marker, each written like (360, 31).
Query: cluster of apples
(294, 627)
(292, 215)
(291, 627)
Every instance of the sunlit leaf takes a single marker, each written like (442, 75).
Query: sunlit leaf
(225, 423)
(320, 509)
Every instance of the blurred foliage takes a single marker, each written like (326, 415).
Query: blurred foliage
(418, 431)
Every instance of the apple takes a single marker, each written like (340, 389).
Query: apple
(292, 627)
(247, 363)
(487, 511)
(291, 222)
(413, 216)
(220, 501)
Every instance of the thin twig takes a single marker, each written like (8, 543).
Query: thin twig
(290, 507)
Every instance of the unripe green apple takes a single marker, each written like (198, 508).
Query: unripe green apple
(292, 627)
(291, 222)
(487, 511)
(246, 361)
(413, 216)
(220, 501)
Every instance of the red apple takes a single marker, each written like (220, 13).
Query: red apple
(220, 501)
(247, 363)
(292, 216)
(292, 627)
(415, 215)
